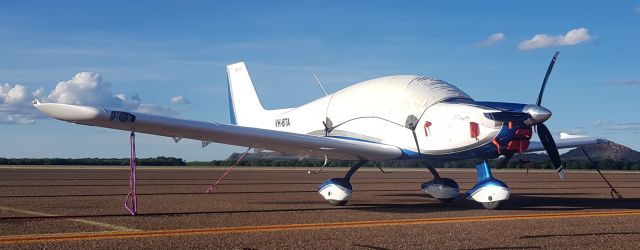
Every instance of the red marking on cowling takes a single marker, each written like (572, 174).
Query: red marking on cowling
(518, 145)
(495, 142)
(523, 133)
(427, 124)
(474, 128)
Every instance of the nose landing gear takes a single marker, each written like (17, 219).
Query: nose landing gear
(489, 191)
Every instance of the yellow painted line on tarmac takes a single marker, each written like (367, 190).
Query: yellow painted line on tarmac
(83, 221)
(44, 238)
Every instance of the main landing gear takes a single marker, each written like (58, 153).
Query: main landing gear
(337, 191)
(443, 189)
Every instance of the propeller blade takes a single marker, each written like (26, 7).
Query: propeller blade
(546, 77)
(505, 116)
(550, 147)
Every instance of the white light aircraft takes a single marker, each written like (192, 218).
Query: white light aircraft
(393, 118)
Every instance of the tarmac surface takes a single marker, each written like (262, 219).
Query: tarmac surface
(276, 208)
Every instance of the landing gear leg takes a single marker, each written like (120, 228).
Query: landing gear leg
(489, 191)
(433, 171)
(443, 189)
(338, 191)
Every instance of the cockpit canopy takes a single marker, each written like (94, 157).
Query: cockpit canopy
(393, 98)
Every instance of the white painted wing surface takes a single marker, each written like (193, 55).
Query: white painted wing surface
(300, 144)
(567, 141)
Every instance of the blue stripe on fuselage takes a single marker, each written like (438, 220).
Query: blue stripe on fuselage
(487, 151)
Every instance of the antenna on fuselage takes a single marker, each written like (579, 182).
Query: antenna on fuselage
(319, 83)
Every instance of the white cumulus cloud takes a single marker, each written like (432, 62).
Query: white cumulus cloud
(85, 88)
(180, 100)
(493, 39)
(157, 109)
(572, 37)
(15, 104)
(612, 126)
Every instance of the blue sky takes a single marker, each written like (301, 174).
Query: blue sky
(153, 51)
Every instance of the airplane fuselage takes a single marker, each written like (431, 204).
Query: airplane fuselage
(452, 127)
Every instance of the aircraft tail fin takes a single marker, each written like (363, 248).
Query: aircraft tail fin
(244, 104)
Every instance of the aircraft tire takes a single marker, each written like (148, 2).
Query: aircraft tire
(493, 205)
(337, 203)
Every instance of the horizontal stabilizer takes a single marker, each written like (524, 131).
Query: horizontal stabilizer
(571, 142)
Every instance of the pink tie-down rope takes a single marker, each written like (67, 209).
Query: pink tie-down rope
(215, 185)
(131, 197)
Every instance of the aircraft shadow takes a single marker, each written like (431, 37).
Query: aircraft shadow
(516, 202)
(545, 203)
(521, 201)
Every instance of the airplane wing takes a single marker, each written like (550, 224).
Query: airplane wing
(568, 141)
(300, 144)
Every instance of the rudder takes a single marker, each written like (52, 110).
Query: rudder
(244, 103)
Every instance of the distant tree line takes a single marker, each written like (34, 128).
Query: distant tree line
(157, 161)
